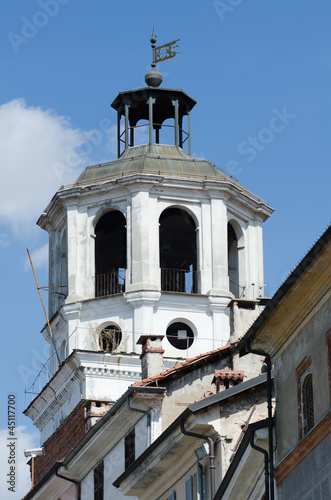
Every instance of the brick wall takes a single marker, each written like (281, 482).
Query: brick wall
(62, 442)
(68, 435)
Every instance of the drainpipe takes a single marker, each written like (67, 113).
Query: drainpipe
(266, 471)
(145, 412)
(270, 420)
(77, 483)
(211, 455)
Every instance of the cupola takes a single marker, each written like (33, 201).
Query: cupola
(154, 105)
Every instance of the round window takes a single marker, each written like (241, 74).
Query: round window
(110, 338)
(180, 335)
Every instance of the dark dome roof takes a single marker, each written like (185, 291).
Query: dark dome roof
(157, 159)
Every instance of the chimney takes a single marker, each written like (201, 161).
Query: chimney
(151, 355)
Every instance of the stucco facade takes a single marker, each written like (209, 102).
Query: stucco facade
(156, 254)
(294, 329)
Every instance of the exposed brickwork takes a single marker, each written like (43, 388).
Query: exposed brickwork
(62, 442)
(68, 435)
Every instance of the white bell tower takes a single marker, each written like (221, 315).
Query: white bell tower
(155, 244)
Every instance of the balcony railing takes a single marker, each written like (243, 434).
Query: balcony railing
(179, 280)
(110, 283)
(248, 291)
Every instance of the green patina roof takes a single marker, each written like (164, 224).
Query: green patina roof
(157, 159)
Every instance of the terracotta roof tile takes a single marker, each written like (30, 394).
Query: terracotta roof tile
(183, 365)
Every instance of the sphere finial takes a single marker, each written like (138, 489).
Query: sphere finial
(153, 43)
(153, 78)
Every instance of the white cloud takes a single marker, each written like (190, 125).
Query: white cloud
(22, 473)
(37, 155)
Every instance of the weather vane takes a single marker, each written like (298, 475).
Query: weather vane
(163, 52)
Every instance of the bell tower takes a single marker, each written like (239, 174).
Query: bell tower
(156, 243)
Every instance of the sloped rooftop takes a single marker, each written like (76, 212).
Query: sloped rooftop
(157, 159)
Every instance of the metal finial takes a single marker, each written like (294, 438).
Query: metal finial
(153, 42)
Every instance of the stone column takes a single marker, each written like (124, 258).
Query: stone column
(144, 237)
(219, 249)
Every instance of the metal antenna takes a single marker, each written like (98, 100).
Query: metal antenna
(42, 302)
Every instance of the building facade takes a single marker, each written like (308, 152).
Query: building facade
(156, 253)
(294, 330)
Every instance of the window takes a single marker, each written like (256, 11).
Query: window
(110, 254)
(98, 481)
(180, 335)
(129, 448)
(200, 482)
(305, 397)
(172, 496)
(308, 404)
(233, 267)
(110, 338)
(178, 251)
(189, 488)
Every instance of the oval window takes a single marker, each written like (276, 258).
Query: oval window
(110, 338)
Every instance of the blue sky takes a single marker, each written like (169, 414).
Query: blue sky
(260, 72)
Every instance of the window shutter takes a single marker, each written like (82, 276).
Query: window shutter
(200, 482)
(98, 482)
(308, 403)
(129, 448)
(189, 488)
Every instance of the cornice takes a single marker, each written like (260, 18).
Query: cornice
(80, 366)
(224, 188)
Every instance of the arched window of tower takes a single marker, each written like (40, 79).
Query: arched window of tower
(110, 338)
(233, 261)
(178, 251)
(110, 254)
(180, 335)
(64, 265)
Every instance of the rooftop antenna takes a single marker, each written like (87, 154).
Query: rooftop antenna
(42, 302)
(160, 54)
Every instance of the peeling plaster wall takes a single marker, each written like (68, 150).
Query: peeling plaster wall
(184, 390)
(310, 341)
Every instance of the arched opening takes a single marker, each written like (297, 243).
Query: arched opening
(178, 251)
(110, 254)
(64, 265)
(183, 124)
(138, 132)
(163, 120)
(308, 404)
(165, 133)
(233, 261)
(180, 335)
(110, 338)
